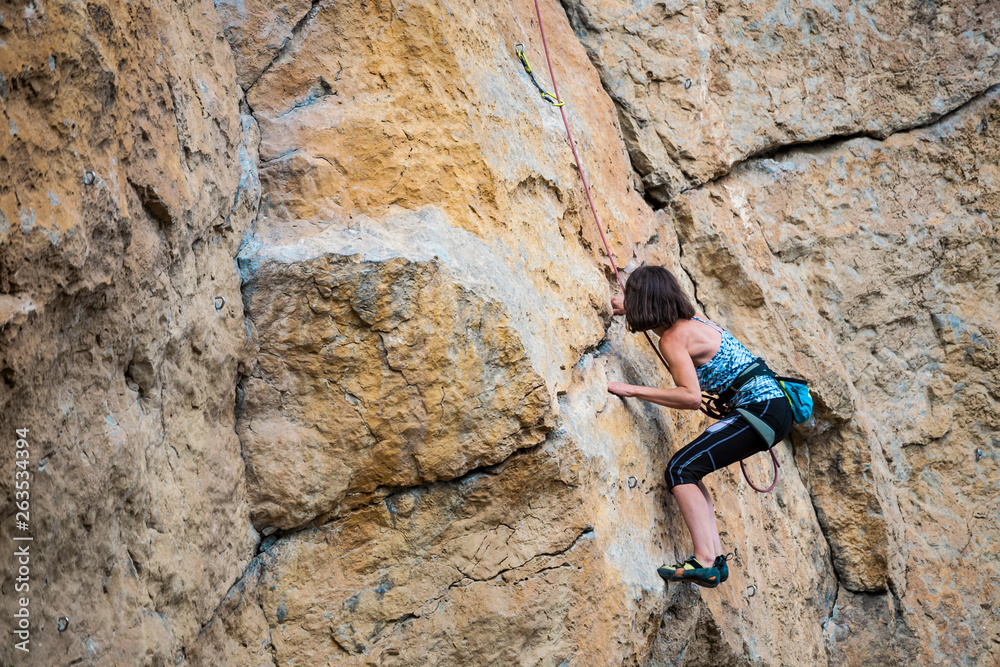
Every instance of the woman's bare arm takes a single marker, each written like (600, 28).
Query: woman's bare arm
(686, 395)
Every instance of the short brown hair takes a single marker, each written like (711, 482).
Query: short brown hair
(654, 298)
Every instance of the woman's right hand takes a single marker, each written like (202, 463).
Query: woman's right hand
(621, 389)
(618, 305)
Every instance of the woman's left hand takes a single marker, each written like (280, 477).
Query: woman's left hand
(617, 305)
(621, 389)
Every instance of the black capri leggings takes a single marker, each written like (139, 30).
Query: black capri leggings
(727, 441)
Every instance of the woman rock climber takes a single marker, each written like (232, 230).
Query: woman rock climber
(701, 356)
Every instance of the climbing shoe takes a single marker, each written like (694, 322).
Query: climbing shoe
(720, 564)
(691, 570)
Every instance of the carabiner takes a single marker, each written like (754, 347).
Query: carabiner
(546, 95)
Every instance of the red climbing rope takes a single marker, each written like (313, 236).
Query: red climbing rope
(572, 144)
(590, 200)
(579, 167)
(774, 481)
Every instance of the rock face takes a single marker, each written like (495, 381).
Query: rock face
(368, 375)
(128, 177)
(701, 86)
(397, 447)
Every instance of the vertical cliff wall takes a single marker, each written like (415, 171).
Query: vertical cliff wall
(127, 178)
(304, 310)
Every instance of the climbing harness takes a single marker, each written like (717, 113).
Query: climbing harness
(713, 406)
(546, 95)
(796, 392)
(718, 406)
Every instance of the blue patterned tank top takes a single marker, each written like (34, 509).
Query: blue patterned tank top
(727, 363)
